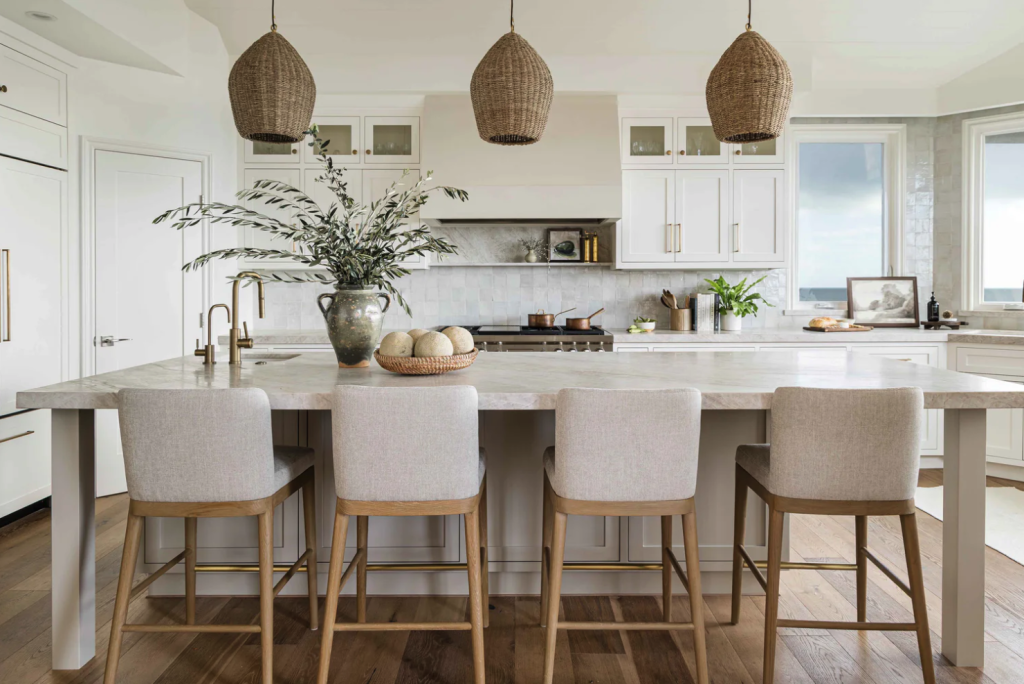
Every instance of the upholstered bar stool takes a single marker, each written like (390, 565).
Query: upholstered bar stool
(623, 452)
(835, 452)
(208, 454)
(401, 452)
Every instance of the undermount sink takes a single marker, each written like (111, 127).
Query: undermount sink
(261, 358)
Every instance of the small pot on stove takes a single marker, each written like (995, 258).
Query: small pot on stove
(545, 320)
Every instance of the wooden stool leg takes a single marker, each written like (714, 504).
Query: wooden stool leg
(476, 610)
(545, 557)
(912, 548)
(266, 533)
(739, 527)
(124, 593)
(696, 598)
(862, 568)
(666, 571)
(191, 528)
(485, 588)
(362, 536)
(333, 589)
(559, 520)
(309, 521)
(771, 608)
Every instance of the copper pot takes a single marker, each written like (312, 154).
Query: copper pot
(545, 320)
(581, 323)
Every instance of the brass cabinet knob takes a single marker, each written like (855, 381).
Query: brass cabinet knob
(369, 152)
(738, 152)
(668, 152)
(294, 151)
(3, 89)
(355, 152)
(682, 152)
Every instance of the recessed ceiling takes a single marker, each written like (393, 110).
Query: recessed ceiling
(627, 46)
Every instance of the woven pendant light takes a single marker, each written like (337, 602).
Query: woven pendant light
(749, 90)
(272, 90)
(511, 92)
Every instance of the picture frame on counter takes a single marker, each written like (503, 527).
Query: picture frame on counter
(884, 302)
(565, 244)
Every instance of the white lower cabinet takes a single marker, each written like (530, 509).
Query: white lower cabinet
(24, 460)
(1004, 443)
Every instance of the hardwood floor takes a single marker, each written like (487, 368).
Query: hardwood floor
(514, 642)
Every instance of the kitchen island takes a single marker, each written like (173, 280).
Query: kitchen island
(517, 395)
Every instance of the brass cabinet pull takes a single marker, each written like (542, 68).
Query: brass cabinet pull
(668, 238)
(6, 254)
(735, 237)
(679, 237)
(23, 434)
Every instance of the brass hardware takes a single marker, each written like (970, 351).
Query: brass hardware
(738, 152)
(355, 152)
(668, 238)
(679, 237)
(239, 341)
(208, 353)
(23, 434)
(7, 293)
(682, 152)
(735, 237)
(668, 153)
(3, 89)
(369, 152)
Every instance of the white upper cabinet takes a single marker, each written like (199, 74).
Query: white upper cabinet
(648, 217)
(343, 135)
(271, 153)
(647, 140)
(33, 88)
(757, 234)
(262, 239)
(702, 215)
(767, 152)
(391, 140)
(376, 183)
(697, 143)
(322, 195)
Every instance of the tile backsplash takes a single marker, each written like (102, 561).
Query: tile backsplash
(466, 295)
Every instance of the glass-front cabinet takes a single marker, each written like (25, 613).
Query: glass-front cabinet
(767, 152)
(271, 153)
(391, 140)
(341, 135)
(647, 140)
(697, 143)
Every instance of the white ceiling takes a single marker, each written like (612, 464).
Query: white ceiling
(628, 46)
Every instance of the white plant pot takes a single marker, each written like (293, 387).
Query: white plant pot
(731, 322)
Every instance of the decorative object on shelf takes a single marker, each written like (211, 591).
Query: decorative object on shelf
(884, 302)
(736, 301)
(642, 325)
(434, 365)
(590, 248)
(680, 320)
(532, 247)
(749, 90)
(938, 325)
(361, 246)
(511, 91)
(271, 90)
(565, 244)
(933, 309)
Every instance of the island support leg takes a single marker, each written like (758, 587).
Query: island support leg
(963, 538)
(73, 538)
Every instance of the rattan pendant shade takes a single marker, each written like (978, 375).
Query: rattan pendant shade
(272, 91)
(749, 91)
(511, 91)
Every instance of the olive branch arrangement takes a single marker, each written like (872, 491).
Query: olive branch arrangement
(360, 245)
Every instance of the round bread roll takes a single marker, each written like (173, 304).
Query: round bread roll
(822, 322)
(396, 344)
(417, 333)
(433, 344)
(462, 339)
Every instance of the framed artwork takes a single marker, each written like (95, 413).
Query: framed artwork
(883, 302)
(565, 244)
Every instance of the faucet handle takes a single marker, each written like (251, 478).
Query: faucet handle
(245, 342)
(199, 351)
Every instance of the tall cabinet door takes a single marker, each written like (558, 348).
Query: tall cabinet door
(376, 183)
(33, 211)
(648, 216)
(702, 216)
(757, 233)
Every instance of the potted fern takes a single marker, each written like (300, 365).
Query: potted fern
(361, 246)
(736, 301)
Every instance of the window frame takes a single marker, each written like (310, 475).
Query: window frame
(974, 131)
(893, 138)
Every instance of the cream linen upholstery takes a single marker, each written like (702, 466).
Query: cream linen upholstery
(625, 445)
(840, 445)
(407, 443)
(183, 446)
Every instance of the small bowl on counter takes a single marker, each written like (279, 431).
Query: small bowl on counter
(426, 352)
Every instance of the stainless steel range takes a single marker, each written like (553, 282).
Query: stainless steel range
(516, 338)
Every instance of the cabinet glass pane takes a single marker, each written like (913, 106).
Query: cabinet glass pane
(647, 141)
(765, 148)
(841, 222)
(1002, 240)
(338, 139)
(268, 148)
(392, 140)
(701, 142)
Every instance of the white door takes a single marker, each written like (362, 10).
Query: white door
(702, 216)
(648, 216)
(147, 307)
(376, 183)
(757, 216)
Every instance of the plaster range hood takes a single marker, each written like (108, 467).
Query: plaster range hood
(572, 176)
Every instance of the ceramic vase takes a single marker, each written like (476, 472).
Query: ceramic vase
(354, 319)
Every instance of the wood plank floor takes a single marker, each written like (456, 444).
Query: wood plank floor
(514, 642)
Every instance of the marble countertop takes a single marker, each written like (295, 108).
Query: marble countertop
(530, 381)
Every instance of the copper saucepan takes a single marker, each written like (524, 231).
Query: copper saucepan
(545, 320)
(581, 323)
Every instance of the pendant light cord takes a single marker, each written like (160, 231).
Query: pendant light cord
(750, 11)
(273, 18)
(512, 14)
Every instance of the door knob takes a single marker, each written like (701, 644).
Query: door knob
(110, 341)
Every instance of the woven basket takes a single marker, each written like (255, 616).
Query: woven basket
(749, 91)
(431, 365)
(272, 92)
(511, 91)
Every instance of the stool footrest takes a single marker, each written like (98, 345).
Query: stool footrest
(402, 627)
(203, 629)
(869, 626)
(631, 626)
(786, 565)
